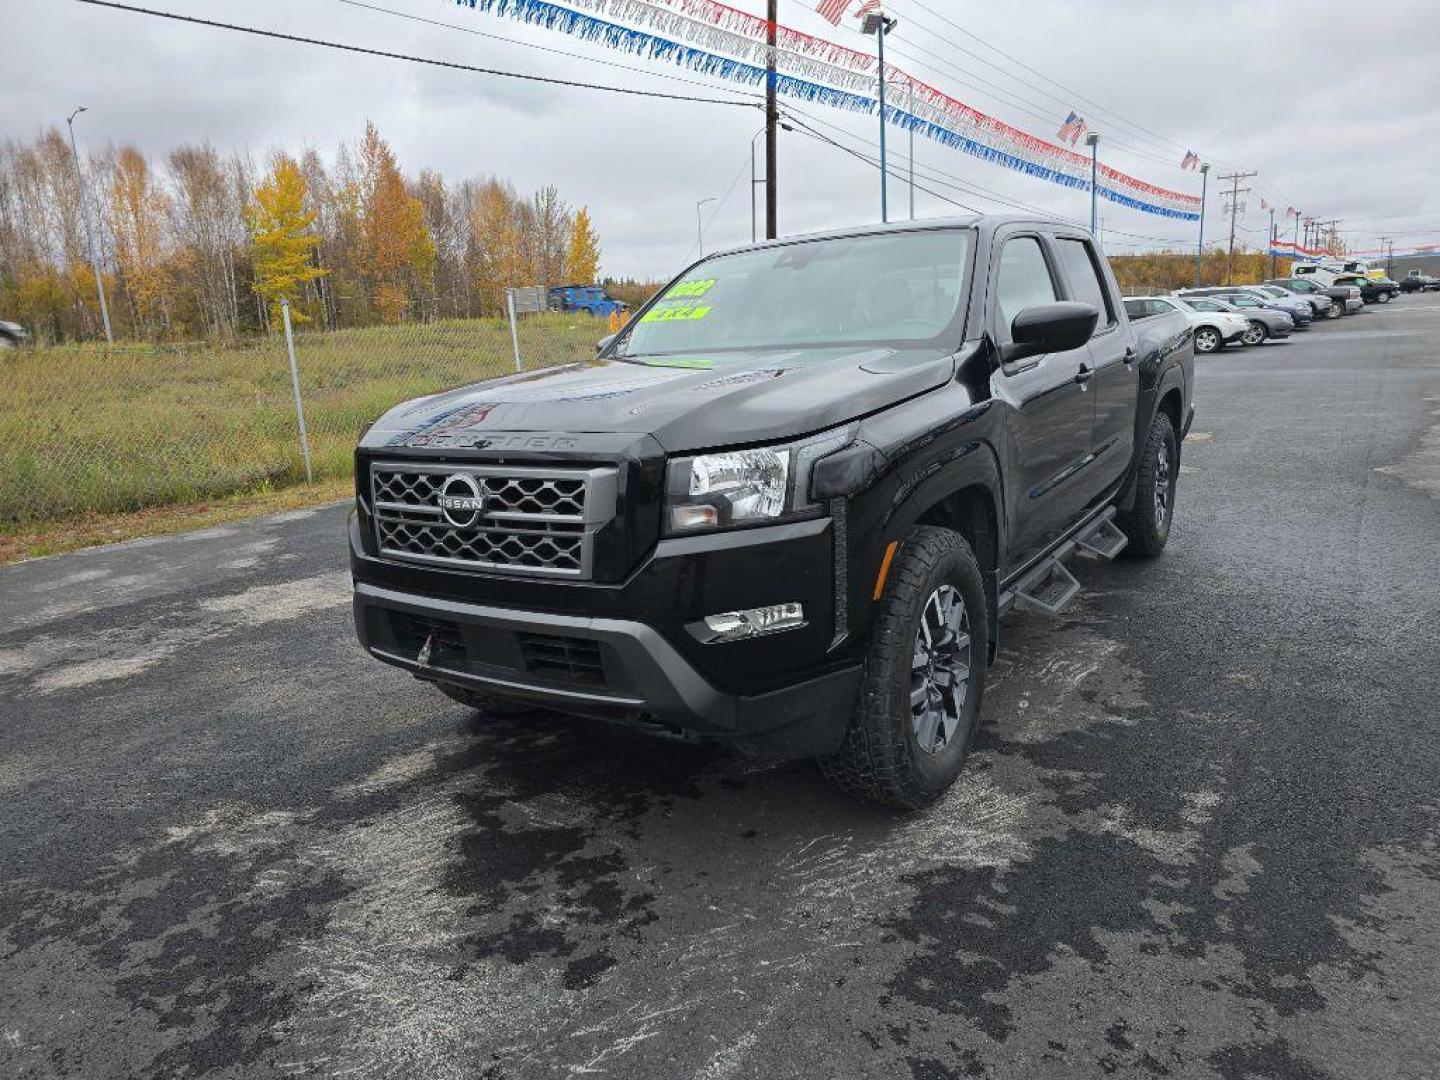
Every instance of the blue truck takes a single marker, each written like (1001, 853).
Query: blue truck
(589, 298)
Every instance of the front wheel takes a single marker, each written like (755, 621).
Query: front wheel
(1384, 298)
(1336, 310)
(919, 702)
(1255, 334)
(1207, 340)
(1147, 522)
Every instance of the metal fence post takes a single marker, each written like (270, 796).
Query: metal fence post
(295, 384)
(514, 337)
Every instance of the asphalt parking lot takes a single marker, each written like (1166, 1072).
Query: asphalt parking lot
(1199, 838)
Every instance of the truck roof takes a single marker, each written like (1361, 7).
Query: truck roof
(970, 221)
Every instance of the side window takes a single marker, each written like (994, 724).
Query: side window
(1137, 309)
(1023, 281)
(1161, 307)
(1079, 263)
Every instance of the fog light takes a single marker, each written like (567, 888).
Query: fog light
(754, 622)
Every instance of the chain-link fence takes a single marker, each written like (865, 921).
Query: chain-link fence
(88, 428)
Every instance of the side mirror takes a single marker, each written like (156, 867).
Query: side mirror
(604, 343)
(1050, 328)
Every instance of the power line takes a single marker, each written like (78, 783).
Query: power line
(546, 48)
(427, 61)
(1146, 134)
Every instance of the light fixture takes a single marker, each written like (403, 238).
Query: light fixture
(750, 622)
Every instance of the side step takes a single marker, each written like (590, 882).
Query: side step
(1049, 586)
(1102, 540)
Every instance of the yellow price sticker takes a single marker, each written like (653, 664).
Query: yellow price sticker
(689, 290)
(678, 313)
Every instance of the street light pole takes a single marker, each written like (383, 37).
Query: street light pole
(89, 235)
(1200, 243)
(880, 24)
(1092, 140)
(699, 224)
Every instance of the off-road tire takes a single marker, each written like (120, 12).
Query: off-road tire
(491, 706)
(881, 759)
(1141, 523)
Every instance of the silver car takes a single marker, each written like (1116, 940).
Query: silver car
(1213, 327)
(1297, 308)
(1265, 322)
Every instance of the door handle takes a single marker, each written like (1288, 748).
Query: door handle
(1129, 356)
(1083, 376)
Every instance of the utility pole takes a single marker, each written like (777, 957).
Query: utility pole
(1200, 243)
(1295, 245)
(1325, 234)
(1388, 246)
(1092, 140)
(880, 24)
(1235, 208)
(1274, 236)
(89, 235)
(772, 119)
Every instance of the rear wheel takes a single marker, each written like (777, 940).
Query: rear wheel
(1384, 298)
(919, 702)
(1255, 333)
(1147, 522)
(1207, 339)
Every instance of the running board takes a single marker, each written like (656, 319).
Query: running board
(1049, 586)
(1103, 540)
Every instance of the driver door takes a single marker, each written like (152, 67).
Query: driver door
(1052, 416)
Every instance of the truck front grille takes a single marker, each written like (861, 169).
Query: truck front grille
(573, 659)
(530, 520)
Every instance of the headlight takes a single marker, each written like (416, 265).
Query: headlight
(743, 487)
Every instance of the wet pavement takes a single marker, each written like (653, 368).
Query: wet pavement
(1198, 839)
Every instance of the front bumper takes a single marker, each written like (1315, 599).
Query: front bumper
(614, 669)
(624, 651)
(1353, 305)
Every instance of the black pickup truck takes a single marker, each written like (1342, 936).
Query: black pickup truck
(785, 508)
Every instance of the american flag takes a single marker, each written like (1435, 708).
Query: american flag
(1190, 160)
(1072, 129)
(832, 10)
(867, 7)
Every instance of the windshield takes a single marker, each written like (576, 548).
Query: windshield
(888, 288)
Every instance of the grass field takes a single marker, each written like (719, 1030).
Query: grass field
(86, 429)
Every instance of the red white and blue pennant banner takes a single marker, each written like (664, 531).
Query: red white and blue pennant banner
(714, 39)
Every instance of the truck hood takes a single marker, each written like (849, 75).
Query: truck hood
(684, 402)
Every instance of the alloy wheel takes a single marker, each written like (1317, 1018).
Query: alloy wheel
(940, 669)
(1207, 340)
(1162, 485)
(1254, 334)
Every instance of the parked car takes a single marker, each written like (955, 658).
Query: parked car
(1415, 281)
(1372, 291)
(1345, 299)
(591, 299)
(1213, 326)
(1315, 306)
(1299, 310)
(12, 335)
(1323, 305)
(1265, 322)
(786, 513)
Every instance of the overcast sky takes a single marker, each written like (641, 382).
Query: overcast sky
(1336, 104)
